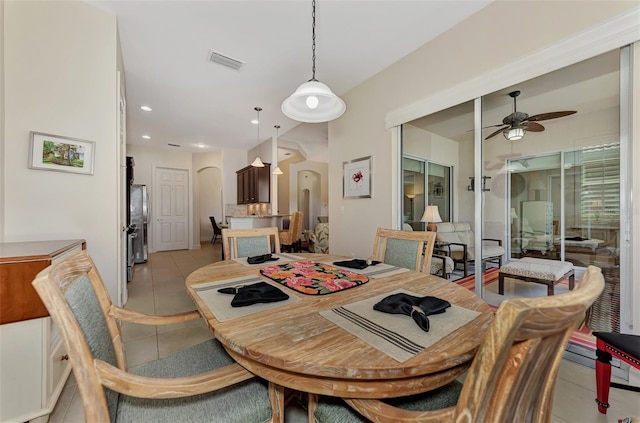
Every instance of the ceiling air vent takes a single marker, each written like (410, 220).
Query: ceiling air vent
(223, 60)
(173, 145)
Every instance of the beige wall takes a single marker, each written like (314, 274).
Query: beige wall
(60, 61)
(474, 48)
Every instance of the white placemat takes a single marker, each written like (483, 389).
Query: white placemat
(220, 304)
(396, 335)
(284, 257)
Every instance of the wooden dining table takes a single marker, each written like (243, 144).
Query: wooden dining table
(294, 346)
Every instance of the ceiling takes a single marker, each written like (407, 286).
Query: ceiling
(588, 86)
(203, 106)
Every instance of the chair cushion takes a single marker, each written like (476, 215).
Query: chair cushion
(436, 265)
(334, 410)
(84, 304)
(492, 251)
(252, 246)
(401, 253)
(247, 401)
(447, 237)
(445, 227)
(630, 344)
(462, 226)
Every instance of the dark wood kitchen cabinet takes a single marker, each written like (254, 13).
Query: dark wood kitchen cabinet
(254, 184)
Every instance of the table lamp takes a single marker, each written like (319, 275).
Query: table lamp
(431, 216)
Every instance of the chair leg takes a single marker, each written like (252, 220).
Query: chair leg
(277, 399)
(603, 379)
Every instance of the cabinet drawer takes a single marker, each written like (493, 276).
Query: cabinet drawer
(59, 367)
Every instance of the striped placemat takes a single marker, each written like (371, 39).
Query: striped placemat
(220, 304)
(396, 335)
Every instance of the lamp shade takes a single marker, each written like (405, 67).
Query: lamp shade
(514, 215)
(313, 102)
(277, 171)
(431, 214)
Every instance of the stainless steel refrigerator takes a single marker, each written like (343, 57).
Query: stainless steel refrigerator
(139, 216)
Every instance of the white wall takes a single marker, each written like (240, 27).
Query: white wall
(431, 69)
(60, 61)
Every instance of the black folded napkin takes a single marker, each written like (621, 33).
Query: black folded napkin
(260, 292)
(355, 263)
(416, 307)
(261, 259)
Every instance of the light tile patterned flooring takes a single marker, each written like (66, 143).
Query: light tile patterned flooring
(158, 287)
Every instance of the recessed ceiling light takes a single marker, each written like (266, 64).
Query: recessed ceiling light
(200, 145)
(255, 121)
(146, 137)
(146, 108)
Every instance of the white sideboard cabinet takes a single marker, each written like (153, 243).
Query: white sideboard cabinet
(34, 365)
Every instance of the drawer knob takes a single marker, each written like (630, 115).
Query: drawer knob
(64, 357)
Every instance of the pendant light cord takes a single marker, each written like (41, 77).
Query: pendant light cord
(313, 41)
(258, 109)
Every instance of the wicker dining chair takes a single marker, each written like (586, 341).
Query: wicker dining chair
(199, 384)
(291, 237)
(511, 379)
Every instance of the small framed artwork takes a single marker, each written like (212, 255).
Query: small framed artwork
(357, 178)
(62, 154)
(438, 190)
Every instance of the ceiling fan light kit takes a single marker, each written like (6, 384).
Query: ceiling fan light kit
(313, 101)
(514, 134)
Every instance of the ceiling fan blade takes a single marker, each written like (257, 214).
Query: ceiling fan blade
(497, 132)
(552, 115)
(534, 127)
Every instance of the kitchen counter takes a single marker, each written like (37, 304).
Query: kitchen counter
(254, 221)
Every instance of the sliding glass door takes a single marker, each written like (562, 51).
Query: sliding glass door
(553, 190)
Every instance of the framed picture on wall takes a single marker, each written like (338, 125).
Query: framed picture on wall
(61, 154)
(357, 178)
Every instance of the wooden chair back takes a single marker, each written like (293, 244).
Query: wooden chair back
(78, 302)
(513, 375)
(249, 242)
(408, 249)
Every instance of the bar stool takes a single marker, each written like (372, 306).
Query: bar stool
(622, 346)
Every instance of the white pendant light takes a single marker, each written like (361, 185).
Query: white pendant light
(313, 101)
(258, 162)
(277, 170)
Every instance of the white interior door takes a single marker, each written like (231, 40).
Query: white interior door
(171, 211)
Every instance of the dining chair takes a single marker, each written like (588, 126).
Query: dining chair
(512, 376)
(249, 242)
(408, 249)
(201, 383)
(290, 238)
(216, 229)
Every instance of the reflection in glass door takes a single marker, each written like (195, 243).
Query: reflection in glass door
(419, 192)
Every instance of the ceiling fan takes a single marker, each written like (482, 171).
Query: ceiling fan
(514, 126)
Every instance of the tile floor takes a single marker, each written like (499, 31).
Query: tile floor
(158, 287)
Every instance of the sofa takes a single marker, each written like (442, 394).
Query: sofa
(458, 240)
